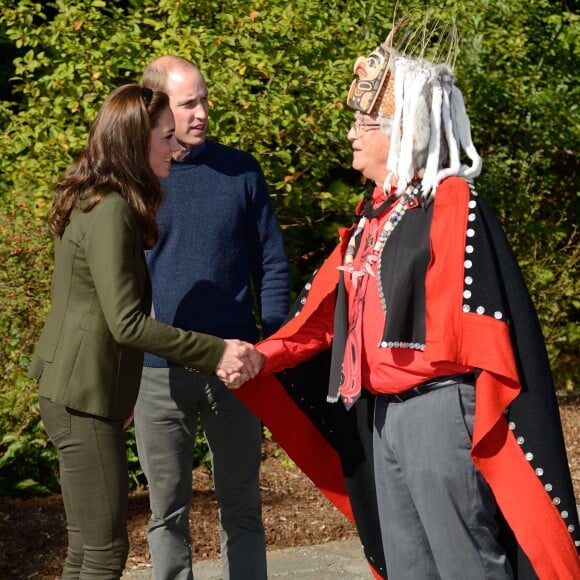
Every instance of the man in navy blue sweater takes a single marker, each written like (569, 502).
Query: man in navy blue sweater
(220, 246)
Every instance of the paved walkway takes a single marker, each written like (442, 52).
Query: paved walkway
(343, 559)
(323, 562)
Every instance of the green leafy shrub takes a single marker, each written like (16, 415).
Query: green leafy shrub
(28, 464)
(278, 72)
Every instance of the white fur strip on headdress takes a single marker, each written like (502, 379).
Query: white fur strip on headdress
(415, 81)
(453, 146)
(400, 66)
(463, 128)
(434, 153)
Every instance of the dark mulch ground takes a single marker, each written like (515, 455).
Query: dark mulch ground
(33, 539)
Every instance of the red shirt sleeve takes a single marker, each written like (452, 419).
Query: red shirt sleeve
(314, 336)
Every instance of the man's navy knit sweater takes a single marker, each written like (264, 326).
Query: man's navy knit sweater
(219, 243)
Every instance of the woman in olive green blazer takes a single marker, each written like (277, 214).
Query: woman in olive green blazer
(90, 354)
(89, 357)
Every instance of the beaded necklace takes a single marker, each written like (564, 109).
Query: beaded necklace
(407, 201)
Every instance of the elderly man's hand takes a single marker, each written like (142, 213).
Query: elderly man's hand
(239, 363)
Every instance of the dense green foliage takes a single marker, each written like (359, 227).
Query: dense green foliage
(278, 73)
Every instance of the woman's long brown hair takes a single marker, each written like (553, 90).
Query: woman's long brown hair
(116, 159)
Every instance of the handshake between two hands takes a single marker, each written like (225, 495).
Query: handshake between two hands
(239, 363)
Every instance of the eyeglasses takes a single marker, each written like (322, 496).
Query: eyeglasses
(360, 127)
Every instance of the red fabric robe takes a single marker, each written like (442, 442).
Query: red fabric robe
(517, 443)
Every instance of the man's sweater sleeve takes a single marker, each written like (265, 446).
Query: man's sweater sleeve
(270, 272)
